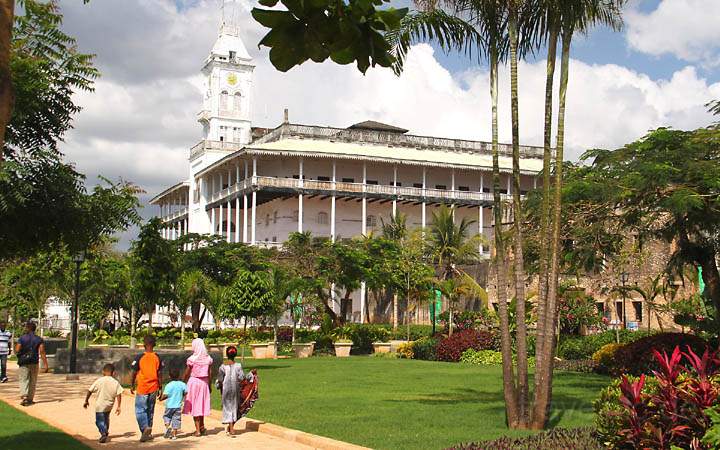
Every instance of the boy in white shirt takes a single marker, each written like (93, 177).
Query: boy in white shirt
(108, 389)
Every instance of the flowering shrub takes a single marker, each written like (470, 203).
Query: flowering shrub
(465, 320)
(670, 412)
(637, 357)
(452, 347)
(405, 350)
(564, 438)
(605, 355)
(575, 310)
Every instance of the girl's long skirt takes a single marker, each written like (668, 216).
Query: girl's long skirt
(197, 401)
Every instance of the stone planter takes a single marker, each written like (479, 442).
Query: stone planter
(342, 349)
(120, 346)
(98, 345)
(381, 347)
(271, 351)
(259, 351)
(304, 350)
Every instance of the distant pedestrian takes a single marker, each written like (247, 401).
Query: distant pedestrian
(146, 380)
(229, 377)
(108, 389)
(5, 340)
(29, 349)
(197, 376)
(173, 396)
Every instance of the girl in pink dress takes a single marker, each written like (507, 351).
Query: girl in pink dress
(197, 377)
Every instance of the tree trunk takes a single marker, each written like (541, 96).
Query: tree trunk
(450, 322)
(195, 313)
(711, 277)
(132, 326)
(395, 311)
(509, 390)
(543, 397)
(521, 327)
(7, 94)
(182, 328)
(538, 419)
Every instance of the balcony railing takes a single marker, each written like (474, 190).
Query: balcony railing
(175, 215)
(356, 188)
(204, 145)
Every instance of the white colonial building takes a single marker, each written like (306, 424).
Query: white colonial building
(258, 185)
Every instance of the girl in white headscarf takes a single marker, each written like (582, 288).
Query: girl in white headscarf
(197, 377)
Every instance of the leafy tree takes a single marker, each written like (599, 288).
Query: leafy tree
(249, 296)
(191, 289)
(153, 268)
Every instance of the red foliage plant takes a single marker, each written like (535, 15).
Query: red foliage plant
(452, 347)
(673, 415)
(637, 357)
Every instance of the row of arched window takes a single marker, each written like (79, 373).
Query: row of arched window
(226, 100)
(321, 218)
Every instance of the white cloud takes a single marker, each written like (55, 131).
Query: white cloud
(140, 122)
(687, 29)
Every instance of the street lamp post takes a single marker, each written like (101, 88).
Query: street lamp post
(624, 277)
(72, 371)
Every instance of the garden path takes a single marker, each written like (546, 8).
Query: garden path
(59, 403)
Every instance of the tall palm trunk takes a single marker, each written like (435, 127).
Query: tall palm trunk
(541, 356)
(509, 390)
(521, 328)
(395, 311)
(551, 323)
(7, 95)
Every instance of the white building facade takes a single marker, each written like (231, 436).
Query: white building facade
(257, 186)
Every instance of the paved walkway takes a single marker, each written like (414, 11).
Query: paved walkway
(59, 403)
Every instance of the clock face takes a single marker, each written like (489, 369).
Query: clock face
(232, 79)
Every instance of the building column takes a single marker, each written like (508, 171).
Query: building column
(252, 217)
(212, 220)
(332, 207)
(395, 189)
(481, 226)
(535, 182)
(300, 199)
(237, 219)
(229, 219)
(220, 219)
(245, 208)
(363, 291)
(424, 186)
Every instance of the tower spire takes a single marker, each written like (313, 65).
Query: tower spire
(230, 23)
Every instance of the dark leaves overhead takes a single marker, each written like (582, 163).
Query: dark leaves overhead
(321, 29)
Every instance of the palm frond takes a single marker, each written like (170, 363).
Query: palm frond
(451, 33)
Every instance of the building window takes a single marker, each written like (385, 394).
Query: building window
(440, 186)
(371, 182)
(371, 221)
(237, 102)
(417, 185)
(223, 101)
(398, 184)
(638, 312)
(321, 178)
(275, 216)
(274, 239)
(267, 219)
(322, 218)
(464, 188)
(296, 215)
(348, 180)
(232, 55)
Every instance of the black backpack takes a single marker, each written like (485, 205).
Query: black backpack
(27, 354)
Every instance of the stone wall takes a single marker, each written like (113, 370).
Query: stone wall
(92, 360)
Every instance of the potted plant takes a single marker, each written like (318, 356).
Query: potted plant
(259, 350)
(382, 345)
(342, 341)
(271, 351)
(303, 347)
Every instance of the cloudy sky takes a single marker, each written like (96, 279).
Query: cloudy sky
(140, 122)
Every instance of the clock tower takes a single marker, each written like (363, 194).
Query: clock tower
(225, 114)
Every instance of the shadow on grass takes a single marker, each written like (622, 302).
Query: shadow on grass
(46, 440)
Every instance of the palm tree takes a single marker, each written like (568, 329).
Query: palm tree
(192, 288)
(217, 296)
(395, 230)
(573, 16)
(451, 246)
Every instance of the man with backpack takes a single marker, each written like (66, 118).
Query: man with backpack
(29, 348)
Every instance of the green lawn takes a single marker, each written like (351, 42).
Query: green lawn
(398, 403)
(21, 432)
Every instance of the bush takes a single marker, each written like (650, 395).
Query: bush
(583, 347)
(670, 410)
(576, 365)
(363, 337)
(452, 347)
(425, 349)
(637, 357)
(557, 438)
(405, 350)
(416, 332)
(488, 357)
(604, 357)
